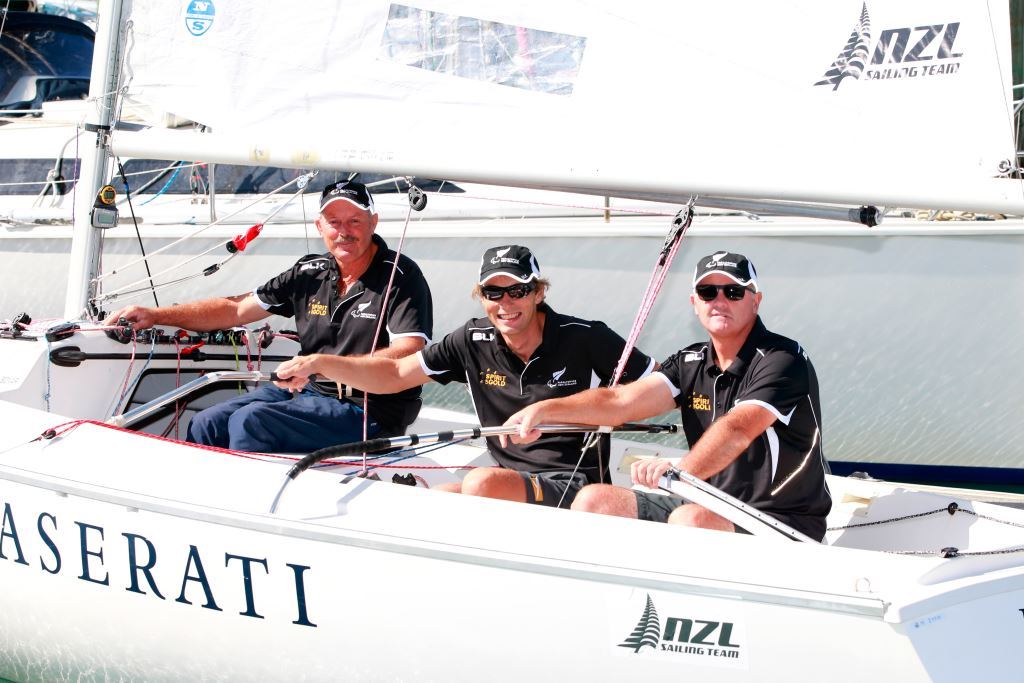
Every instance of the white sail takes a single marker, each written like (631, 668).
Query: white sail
(353, 578)
(660, 98)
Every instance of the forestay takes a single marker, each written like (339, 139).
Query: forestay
(844, 101)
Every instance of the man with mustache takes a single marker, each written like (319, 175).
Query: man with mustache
(336, 300)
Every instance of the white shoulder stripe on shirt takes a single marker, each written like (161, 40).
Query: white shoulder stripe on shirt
(671, 386)
(423, 365)
(784, 419)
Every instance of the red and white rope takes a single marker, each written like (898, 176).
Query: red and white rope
(654, 284)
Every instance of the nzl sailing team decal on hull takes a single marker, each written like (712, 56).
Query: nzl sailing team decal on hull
(199, 16)
(197, 577)
(693, 630)
(921, 51)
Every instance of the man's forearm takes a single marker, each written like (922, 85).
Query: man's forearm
(593, 407)
(201, 316)
(375, 375)
(726, 439)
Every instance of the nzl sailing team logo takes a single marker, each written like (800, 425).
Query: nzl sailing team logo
(904, 52)
(701, 641)
(199, 17)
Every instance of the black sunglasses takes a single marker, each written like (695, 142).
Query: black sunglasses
(710, 292)
(494, 293)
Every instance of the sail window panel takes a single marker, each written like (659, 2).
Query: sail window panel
(170, 178)
(483, 50)
(28, 176)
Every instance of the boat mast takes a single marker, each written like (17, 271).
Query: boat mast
(103, 87)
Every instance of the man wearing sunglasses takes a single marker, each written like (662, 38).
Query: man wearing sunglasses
(750, 411)
(336, 300)
(522, 351)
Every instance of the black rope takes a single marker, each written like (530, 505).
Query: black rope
(948, 552)
(145, 261)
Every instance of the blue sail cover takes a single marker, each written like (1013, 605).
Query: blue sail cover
(43, 58)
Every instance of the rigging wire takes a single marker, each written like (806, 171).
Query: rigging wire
(384, 305)
(1013, 163)
(77, 171)
(138, 235)
(600, 210)
(3, 16)
(241, 239)
(305, 226)
(204, 228)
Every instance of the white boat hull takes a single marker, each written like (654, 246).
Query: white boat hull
(140, 557)
(129, 559)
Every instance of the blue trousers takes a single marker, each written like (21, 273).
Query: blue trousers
(273, 420)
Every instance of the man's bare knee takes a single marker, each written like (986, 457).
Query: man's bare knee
(477, 482)
(697, 516)
(494, 482)
(605, 499)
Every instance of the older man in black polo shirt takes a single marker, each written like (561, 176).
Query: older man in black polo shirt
(336, 300)
(521, 352)
(749, 403)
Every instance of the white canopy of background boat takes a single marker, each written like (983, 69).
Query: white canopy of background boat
(138, 557)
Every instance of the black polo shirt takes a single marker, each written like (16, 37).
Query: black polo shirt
(344, 325)
(574, 355)
(783, 470)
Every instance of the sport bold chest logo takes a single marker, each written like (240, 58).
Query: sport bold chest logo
(316, 308)
(700, 402)
(492, 378)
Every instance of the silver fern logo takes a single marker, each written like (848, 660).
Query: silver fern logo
(557, 381)
(647, 632)
(851, 61)
(717, 262)
(499, 256)
(360, 311)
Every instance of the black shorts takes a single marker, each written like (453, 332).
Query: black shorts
(547, 488)
(655, 507)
